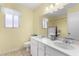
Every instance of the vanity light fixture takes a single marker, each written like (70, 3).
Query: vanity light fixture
(51, 6)
(60, 5)
(55, 7)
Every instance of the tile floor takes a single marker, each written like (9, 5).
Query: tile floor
(21, 52)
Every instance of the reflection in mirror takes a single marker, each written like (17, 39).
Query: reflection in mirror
(45, 23)
(65, 20)
(60, 23)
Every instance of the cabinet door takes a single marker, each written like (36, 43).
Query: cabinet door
(41, 49)
(34, 47)
(53, 52)
(41, 52)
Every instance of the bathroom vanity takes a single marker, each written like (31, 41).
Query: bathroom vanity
(47, 47)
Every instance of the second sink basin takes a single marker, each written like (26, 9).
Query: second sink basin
(63, 45)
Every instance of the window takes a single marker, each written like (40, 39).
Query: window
(11, 21)
(8, 20)
(16, 21)
(45, 23)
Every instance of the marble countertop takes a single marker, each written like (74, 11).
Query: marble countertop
(46, 41)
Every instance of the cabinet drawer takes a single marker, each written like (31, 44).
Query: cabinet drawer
(53, 52)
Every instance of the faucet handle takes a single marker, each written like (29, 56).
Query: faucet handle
(69, 40)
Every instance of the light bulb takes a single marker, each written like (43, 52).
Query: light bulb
(51, 6)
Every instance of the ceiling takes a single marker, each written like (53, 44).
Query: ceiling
(61, 11)
(31, 6)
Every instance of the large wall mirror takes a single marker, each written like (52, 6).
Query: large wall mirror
(65, 22)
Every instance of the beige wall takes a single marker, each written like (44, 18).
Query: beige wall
(14, 38)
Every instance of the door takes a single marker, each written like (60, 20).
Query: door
(34, 47)
(41, 49)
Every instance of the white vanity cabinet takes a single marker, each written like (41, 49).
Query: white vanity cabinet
(38, 48)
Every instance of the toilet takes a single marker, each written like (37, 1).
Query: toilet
(27, 45)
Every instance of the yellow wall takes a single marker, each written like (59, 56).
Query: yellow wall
(61, 23)
(14, 38)
(38, 13)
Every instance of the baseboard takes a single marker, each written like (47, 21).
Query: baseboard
(15, 49)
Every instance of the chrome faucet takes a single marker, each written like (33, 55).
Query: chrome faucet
(68, 40)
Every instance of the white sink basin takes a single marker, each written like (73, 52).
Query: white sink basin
(63, 45)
